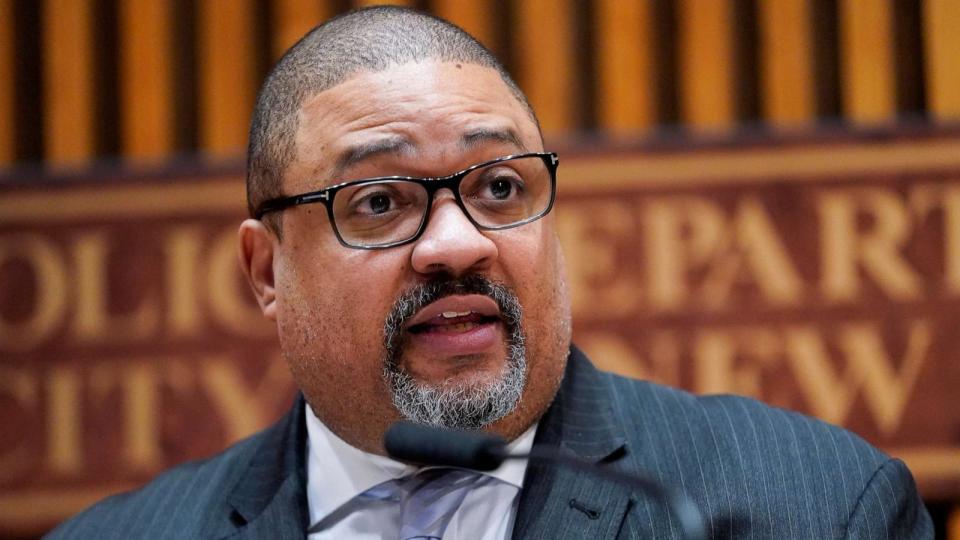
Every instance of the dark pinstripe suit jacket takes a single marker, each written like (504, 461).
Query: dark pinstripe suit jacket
(755, 472)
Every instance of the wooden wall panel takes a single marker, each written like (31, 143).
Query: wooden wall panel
(292, 19)
(953, 524)
(188, 77)
(626, 95)
(786, 53)
(227, 60)
(146, 81)
(866, 61)
(707, 64)
(474, 16)
(68, 75)
(7, 88)
(545, 70)
(941, 19)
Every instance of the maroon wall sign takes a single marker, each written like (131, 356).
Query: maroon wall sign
(821, 278)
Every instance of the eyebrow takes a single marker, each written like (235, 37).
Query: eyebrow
(362, 152)
(397, 145)
(482, 135)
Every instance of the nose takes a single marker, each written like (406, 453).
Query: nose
(451, 244)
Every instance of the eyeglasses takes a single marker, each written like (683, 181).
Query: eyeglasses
(389, 211)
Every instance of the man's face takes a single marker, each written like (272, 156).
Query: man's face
(332, 303)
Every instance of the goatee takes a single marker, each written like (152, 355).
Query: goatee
(455, 404)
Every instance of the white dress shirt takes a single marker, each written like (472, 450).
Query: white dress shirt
(337, 472)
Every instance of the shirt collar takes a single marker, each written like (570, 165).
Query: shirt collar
(344, 471)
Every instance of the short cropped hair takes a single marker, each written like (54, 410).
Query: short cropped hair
(371, 39)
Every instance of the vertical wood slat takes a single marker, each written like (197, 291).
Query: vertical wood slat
(941, 29)
(787, 62)
(7, 85)
(474, 16)
(866, 61)
(227, 75)
(146, 82)
(292, 19)
(545, 53)
(68, 87)
(953, 524)
(626, 98)
(707, 64)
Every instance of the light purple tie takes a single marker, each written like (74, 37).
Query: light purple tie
(431, 498)
(428, 500)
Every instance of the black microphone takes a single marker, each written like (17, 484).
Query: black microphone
(427, 445)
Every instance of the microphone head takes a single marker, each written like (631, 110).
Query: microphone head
(428, 445)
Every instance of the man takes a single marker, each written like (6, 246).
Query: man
(402, 243)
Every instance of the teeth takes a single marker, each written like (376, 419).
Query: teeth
(462, 327)
(451, 328)
(454, 314)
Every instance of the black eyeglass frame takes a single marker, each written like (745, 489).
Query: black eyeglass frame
(431, 185)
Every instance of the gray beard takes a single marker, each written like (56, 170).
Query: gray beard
(455, 405)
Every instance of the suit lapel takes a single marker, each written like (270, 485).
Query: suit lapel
(270, 500)
(558, 502)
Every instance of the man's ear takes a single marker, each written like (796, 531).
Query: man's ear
(256, 259)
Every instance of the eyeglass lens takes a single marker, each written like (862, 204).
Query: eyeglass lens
(496, 196)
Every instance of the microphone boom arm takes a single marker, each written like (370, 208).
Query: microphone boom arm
(427, 445)
(677, 502)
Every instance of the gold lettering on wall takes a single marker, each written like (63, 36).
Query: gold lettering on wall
(867, 367)
(591, 233)
(180, 377)
(829, 394)
(50, 303)
(227, 292)
(137, 382)
(613, 352)
(680, 233)
(928, 197)
(64, 442)
(243, 406)
(140, 423)
(616, 353)
(21, 385)
(877, 251)
(735, 360)
(951, 238)
(755, 247)
(93, 321)
(665, 360)
(182, 248)
(885, 388)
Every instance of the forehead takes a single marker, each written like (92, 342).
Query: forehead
(430, 115)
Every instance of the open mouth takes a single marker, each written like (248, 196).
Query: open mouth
(456, 325)
(453, 322)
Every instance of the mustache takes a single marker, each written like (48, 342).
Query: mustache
(416, 298)
(461, 406)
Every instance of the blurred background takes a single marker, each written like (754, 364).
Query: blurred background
(757, 196)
